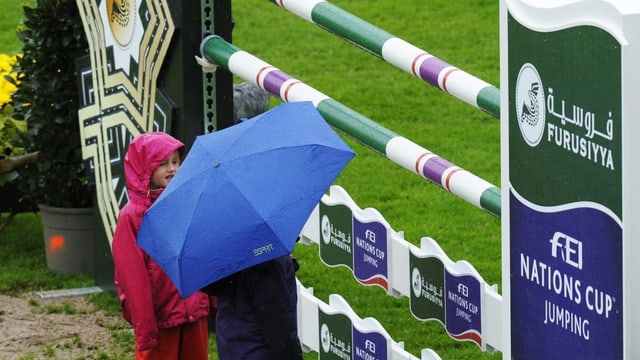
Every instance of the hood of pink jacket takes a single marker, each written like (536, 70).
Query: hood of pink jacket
(145, 153)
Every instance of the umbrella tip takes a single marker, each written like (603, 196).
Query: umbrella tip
(217, 164)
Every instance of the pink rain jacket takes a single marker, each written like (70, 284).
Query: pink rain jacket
(149, 299)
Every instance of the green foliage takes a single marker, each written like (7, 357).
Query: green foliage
(10, 132)
(47, 98)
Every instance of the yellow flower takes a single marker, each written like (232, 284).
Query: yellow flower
(6, 88)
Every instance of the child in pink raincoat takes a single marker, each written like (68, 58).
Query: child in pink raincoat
(166, 326)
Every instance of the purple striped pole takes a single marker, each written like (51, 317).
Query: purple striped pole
(398, 52)
(396, 148)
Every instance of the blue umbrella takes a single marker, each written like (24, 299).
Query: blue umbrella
(242, 195)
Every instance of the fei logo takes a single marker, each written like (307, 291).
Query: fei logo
(568, 248)
(530, 104)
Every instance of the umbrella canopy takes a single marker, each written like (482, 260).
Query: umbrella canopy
(242, 195)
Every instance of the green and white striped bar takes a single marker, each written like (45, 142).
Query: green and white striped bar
(398, 52)
(396, 148)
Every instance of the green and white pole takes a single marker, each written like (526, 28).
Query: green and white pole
(396, 148)
(395, 51)
(570, 175)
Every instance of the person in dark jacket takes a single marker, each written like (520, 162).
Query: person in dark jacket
(257, 312)
(166, 326)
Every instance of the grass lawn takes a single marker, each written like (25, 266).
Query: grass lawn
(9, 21)
(463, 33)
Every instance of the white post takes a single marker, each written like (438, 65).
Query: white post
(570, 174)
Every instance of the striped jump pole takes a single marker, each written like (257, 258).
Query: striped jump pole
(415, 61)
(396, 148)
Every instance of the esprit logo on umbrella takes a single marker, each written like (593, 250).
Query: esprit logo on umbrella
(530, 104)
(263, 250)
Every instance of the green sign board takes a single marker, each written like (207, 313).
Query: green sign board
(564, 192)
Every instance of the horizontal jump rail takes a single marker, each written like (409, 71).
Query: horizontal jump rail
(403, 55)
(398, 149)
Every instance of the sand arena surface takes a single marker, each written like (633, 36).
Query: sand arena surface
(27, 327)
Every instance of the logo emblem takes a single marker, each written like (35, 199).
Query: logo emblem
(325, 338)
(416, 282)
(326, 229)
(530, 104)
(123, 33)
(121, 19)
